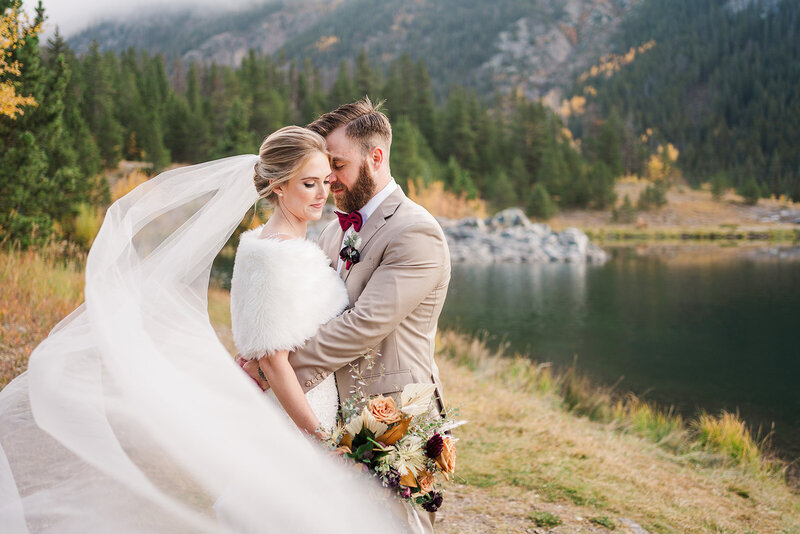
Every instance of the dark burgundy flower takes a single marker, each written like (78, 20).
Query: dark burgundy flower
(434, 446)
(433, 500)
(350, 255)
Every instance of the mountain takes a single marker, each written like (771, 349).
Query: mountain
(531, 45)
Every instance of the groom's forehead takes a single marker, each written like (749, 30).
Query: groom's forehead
(341, 146)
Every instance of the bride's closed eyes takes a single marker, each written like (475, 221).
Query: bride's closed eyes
(311, 183)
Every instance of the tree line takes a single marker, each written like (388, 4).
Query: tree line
(94, 110)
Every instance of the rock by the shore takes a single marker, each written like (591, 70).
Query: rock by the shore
(510, 237)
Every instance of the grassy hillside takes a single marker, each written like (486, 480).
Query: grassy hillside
(541, 451)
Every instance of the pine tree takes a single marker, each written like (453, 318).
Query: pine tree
(366, 82)
(342, 91)
(423, 109)
(540, 204)
(237, 139)
(99, 108)
(601, 186)
(500, 191)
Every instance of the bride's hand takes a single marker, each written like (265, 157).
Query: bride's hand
(251, 368)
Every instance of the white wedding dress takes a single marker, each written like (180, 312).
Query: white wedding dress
(281, 292)
(133, 418)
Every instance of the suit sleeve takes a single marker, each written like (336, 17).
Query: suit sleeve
(410, 270)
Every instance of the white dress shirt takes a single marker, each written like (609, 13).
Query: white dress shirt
(368, 209)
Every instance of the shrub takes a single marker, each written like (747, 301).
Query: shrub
(750, 192)
(719, 186)
(625, 213)
(654, 196)
(540, 204)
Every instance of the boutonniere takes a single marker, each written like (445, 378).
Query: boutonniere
(349, 252)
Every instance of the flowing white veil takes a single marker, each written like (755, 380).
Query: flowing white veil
(133, 418)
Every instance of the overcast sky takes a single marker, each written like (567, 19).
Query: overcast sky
(72, 16)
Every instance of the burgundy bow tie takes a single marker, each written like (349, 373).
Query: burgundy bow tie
(353, 219)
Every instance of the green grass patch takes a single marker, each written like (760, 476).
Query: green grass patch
(542, 518)
(603, 521)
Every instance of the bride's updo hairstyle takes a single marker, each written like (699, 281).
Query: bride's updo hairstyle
(281, 155)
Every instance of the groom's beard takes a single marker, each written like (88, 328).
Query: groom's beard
(355, 197)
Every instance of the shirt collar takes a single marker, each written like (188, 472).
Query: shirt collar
(370, 207)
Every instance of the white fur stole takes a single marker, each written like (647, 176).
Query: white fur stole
(281, 292)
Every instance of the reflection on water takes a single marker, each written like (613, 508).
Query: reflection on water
(698, 329)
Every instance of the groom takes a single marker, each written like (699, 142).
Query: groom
(397, 281)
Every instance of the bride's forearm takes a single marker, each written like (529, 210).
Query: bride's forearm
(283, 381)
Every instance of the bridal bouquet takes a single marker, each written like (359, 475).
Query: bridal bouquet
(404, 447)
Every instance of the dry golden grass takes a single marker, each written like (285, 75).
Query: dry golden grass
(87, 224)
(443, 203)
(523, 453)
(37, 289)
(127, 183)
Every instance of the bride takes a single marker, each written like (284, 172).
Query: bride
(283, 287)
(133, 418)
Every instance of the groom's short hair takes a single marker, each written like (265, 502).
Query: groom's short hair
(364, 122)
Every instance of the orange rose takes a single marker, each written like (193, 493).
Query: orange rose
(384, 409)
(426, 481)
(447, 459)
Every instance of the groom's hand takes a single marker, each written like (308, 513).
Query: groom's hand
(251, 368)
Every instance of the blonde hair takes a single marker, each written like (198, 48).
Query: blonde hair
(281, 155)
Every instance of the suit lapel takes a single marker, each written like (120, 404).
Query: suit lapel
(375, 222)
(330, 241)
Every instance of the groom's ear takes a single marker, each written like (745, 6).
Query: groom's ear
(376, 157)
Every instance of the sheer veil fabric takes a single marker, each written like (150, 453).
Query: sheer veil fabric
(133, 418)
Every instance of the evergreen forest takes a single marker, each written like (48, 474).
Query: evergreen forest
(720, 83)
(697, 90)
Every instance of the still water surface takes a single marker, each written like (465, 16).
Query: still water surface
(697, 329)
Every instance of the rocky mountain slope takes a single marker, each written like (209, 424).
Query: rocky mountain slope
(535, 46)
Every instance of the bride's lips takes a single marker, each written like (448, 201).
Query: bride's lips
(317, 206)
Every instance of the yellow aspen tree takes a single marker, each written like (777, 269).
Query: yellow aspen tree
(14, 29)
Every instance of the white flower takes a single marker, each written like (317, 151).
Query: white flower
(408, 455)
(416, 398)
(353, 240)
(355, 424)
(372, 424)
(365, 419)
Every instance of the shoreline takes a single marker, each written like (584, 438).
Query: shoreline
(545, 449)
(537, 447)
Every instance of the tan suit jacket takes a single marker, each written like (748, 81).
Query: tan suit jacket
(396, 293)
